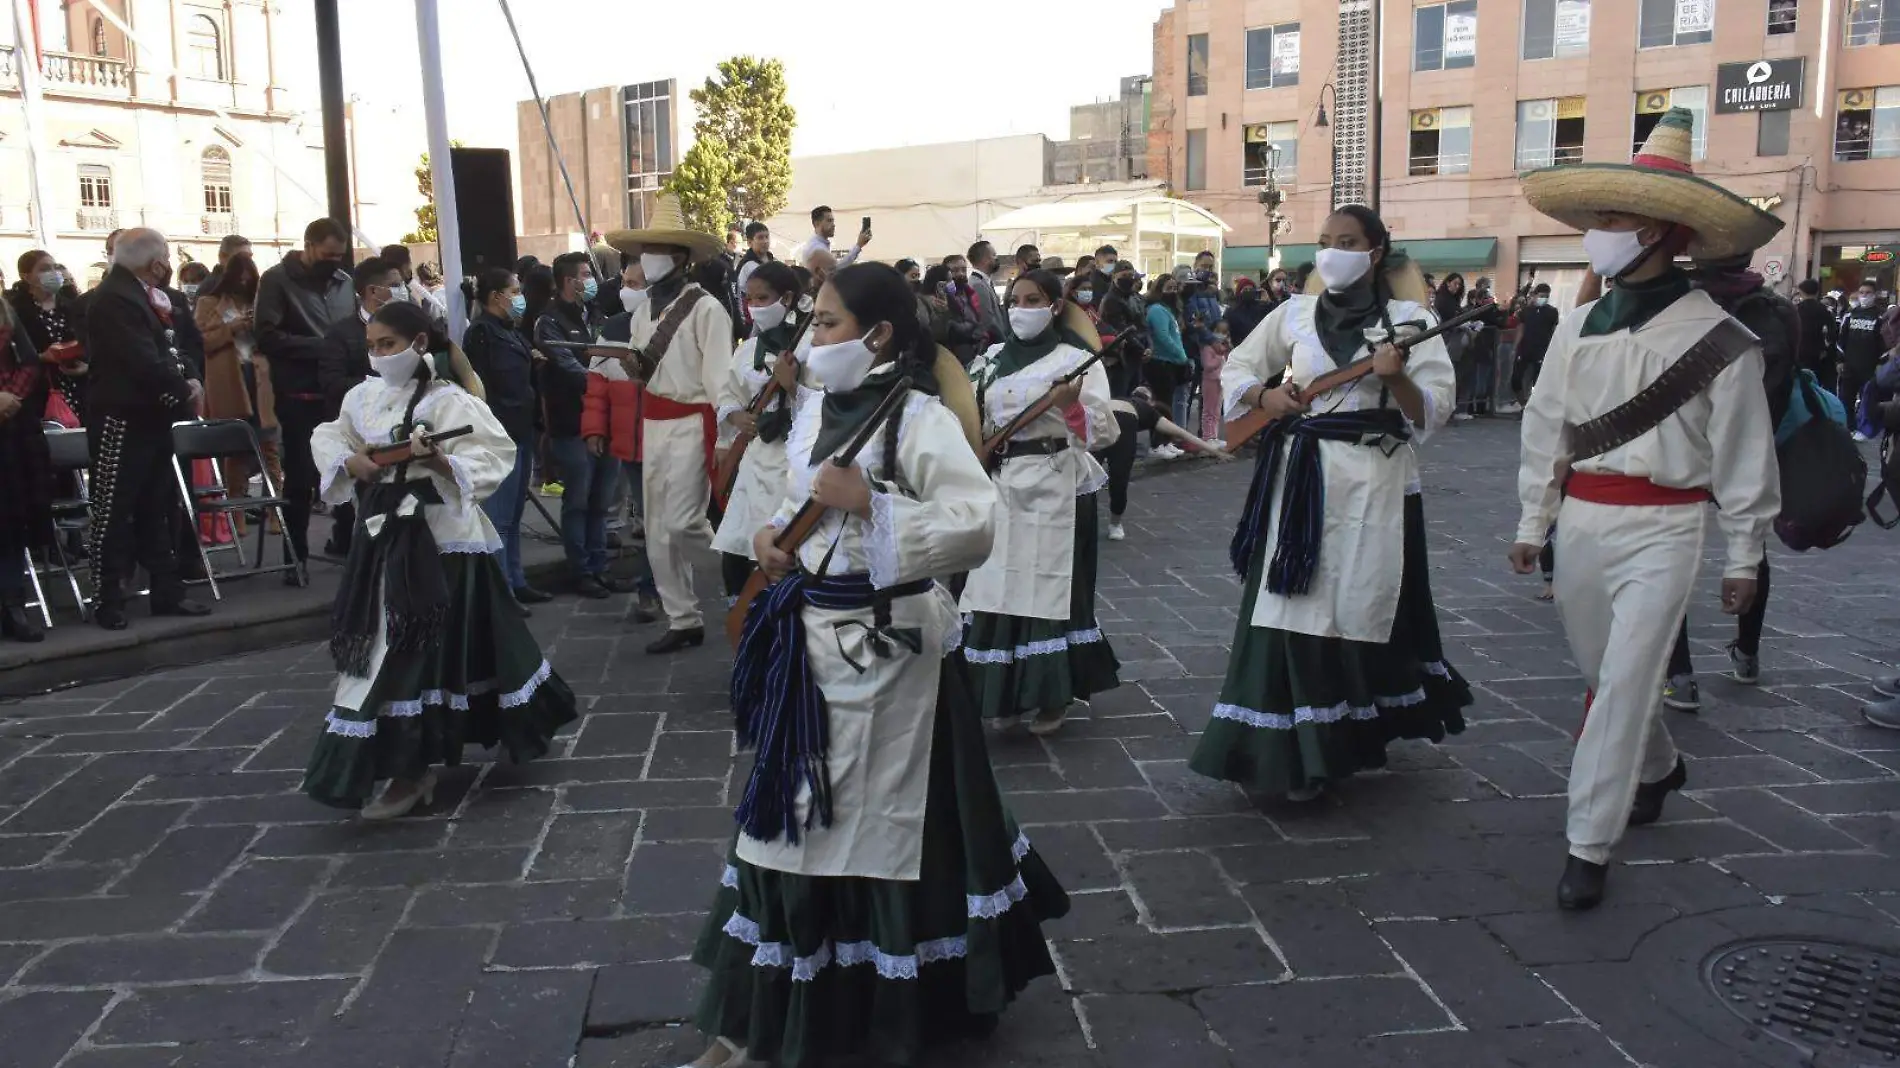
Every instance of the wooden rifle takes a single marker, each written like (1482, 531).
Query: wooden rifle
(391, 455)
(996, 446)
(729, 460)
(805, 521)
(1245, 428)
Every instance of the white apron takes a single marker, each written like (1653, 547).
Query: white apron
(1030, 570)
(760, 485)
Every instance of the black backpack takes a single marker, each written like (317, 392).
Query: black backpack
(1889, 483)
(1823, 478)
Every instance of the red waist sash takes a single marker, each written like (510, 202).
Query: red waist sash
(661, 409)
(1629, 490)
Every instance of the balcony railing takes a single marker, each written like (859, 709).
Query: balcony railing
(217, 223)
(67, 70)
(98, 220)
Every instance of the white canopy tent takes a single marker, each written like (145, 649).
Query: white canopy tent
(1149, 228)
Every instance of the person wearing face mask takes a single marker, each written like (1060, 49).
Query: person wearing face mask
(26, 478)
(1168, 366)
(688, 332)
(1861, 349)
(773, 303)
(505, 364)
(298, 301)
(50, 316)
(1033, 645)
(569, 323)
(1249, 310)
(237, 385)
(1336, 652)
(1537, 322)
(429, 651)
(1667, 391)
(145, 382)
(828, 936)
(1124, 309)
(345, 363)
(758, 251)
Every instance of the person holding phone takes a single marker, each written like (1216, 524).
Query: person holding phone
(824, 226)
(429, 649)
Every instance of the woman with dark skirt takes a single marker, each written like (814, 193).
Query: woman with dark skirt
(1033, 644)
(1337, 650)
(430, 650)
(879, 899)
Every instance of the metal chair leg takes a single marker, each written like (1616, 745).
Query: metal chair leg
(191, 515)
(39, 591)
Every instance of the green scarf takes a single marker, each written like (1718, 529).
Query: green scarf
(772, 342)
(1341, 320)
(1018, 354)
(1631, 304)
(843, 413)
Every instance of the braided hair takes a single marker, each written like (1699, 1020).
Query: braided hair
(876, 293)
(409, 320)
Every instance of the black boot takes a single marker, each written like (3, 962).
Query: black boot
(675, 640)
(1582, 885)
(19, 624)
(179, 606)
(1649, 796)
(109, 614)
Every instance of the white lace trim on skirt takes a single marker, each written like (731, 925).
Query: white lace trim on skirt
(1044, 647)
(442, 699)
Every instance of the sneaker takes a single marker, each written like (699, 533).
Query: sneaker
(1166, 452)
(553, 489)
(1219, 443)
(1887, 686)
(1682, 694)
(1512, 408)
(1744, 668)
(1115, 531)
(590, 587)
(1461, 417)
(1300, 795)
(1858, 436)
(1883, 713)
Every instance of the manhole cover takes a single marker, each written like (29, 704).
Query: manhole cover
(1839, 1003)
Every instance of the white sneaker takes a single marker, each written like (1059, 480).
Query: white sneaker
(1170, 452)
(1115, 532)
(1858, 436)
(1218, 443)
(1461, 417)
(1510, 409)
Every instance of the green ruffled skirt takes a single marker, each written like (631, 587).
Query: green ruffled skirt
(805, 969)
(1297, 710)
(1021, 666)
(486, 683)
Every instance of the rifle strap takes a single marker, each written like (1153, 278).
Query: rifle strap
(1681, 382)
(670, 324)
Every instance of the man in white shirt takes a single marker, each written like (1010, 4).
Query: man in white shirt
(823, 228)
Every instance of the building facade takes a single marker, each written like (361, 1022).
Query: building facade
(199, 137)
(619, 143)
(1108, 140)
(1797, 107)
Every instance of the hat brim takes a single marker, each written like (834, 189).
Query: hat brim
(699, 246)
(1579, 194)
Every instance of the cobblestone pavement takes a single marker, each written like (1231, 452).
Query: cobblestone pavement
(166, 898)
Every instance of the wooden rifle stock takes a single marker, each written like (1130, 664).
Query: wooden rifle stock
(805, 520)
(387, 455)
(1245, 428)
(729, 460)
(996, 444)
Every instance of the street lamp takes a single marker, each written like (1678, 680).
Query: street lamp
(1332, 192)
(1271, 198)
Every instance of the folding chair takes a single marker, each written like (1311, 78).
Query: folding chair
(222, 439)
(69, 458)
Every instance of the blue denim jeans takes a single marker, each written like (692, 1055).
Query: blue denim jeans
(504, 510)
(587, 489)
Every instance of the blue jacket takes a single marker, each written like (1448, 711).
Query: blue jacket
(1164, 332)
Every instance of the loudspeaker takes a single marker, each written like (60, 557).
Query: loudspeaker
(484, 208)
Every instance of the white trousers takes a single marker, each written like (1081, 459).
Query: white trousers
(673, 478)
(1624, 575)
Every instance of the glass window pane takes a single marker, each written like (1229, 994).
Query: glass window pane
(663, 134)
(1771, 137)
(1197, 64)
(1696, 99)
(1657, 27)
(1540, 29)
(1197, 159)
(1863, 22)
(1783, 16)
(1695, 21)
(1286, 55)
(1536, 133)
(1886, 124)
(1428, 38)
(1286, 140)
(1260, 58)
(1461, 34)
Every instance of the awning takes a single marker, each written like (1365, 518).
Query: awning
(1451, 252)
(1252, 259)
(1159, 213)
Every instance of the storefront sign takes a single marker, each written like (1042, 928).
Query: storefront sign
(1764, 85)
(1877, 255)
(1461, 36)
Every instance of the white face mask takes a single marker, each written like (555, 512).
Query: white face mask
(1612, 251)
(656, 265)
(771, 315)
(397, 294)
(1541, 301)
(632, 299)
(1863, 301)
(1030, 323)
(51, 280)
(189, 289)
(842, 367)
(1339, 268)
(396, 370)
(1085, 296)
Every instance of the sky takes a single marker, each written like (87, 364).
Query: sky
(862, 73)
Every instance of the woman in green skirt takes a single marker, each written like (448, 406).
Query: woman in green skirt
(879, 899)
(1336, 652)
(1032, 643)
(430, 649)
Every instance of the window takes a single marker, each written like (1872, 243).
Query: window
(1554, 29)
(98, 36)
(1873, 22)
(1650, 107)
(1197, 64)
(1441, 141)
(1771, 136)
(1273, 145)
(1445, 36)
(1549, 132)
(1869, 124)
(1273, 56)
(1676, 22)
(1197, 159)
(95, 185)
(215, 170)
(204, 48)
(1782, 16)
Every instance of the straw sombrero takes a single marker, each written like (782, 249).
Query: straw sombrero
(1660, 184)
(667, 226)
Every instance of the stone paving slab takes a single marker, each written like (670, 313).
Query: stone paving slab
(168, 899)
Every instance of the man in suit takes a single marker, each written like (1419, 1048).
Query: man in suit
(982, 260)
(142, 380)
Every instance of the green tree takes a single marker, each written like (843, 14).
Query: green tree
(744, 109)
(425, 230)
(702, 182)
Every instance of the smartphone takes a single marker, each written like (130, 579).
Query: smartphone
(866, 228)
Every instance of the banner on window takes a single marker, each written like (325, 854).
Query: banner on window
(1695, 16)
(1286, 52)
(1461, 36)
(1573, 23)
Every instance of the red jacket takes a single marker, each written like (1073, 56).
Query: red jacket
(611, 409)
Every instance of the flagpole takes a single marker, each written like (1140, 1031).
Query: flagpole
(442, 176)
(26, 64)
